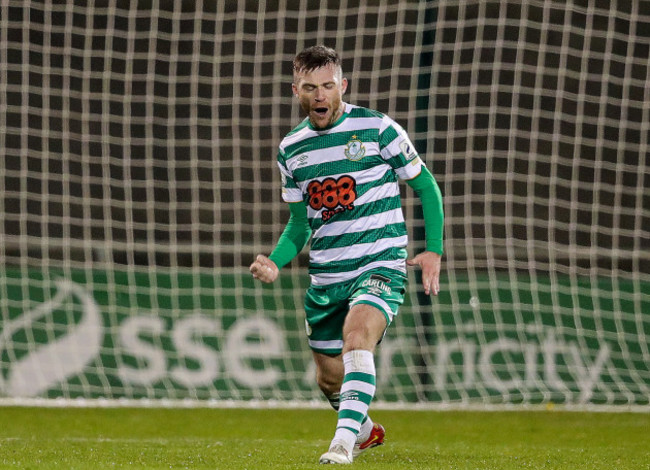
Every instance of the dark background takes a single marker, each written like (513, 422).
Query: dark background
(146, 134)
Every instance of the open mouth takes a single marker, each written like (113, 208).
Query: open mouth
(321, 111)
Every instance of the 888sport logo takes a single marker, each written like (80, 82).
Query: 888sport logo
(334, 194)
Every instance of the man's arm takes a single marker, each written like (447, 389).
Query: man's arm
(427, 189)
(293, 239)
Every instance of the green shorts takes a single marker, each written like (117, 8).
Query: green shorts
(327, 306)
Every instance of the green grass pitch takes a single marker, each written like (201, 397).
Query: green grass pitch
(145, 438)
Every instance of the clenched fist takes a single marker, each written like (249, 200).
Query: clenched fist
(264, 269)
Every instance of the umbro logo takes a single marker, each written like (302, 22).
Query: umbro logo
(303, 160)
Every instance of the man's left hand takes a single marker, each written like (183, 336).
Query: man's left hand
(430, 264)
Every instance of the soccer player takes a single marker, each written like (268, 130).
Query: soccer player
(340, 170)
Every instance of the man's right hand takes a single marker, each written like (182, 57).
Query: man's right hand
(264, 269)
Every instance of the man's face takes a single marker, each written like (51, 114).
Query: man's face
(319, 92)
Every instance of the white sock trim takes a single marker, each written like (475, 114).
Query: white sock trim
(346, 438)
(364, 432)
(359, 360)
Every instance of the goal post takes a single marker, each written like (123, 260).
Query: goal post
(139, 181)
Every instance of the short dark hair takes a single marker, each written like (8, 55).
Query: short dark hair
(315, 57)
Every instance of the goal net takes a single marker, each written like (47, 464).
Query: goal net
(139, 181)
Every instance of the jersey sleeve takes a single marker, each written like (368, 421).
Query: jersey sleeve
(294, 237)
(398, 151)
(427, 189)
(290, 190)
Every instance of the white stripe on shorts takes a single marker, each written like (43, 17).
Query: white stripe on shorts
(334, 344)
(376, 300)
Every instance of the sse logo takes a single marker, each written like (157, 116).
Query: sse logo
(335, 195)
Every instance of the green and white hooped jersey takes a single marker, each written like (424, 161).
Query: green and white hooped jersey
(347, 175)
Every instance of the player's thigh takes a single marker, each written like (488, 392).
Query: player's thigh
(325, 310)
(364, 327)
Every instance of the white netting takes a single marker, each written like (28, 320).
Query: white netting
(138, 182)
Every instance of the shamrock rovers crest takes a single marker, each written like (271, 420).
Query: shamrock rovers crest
(355, 150)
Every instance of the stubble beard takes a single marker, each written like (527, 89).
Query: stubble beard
(337, 112)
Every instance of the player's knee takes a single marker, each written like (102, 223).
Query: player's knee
(328, 384)
(364, 326)
(359, 338)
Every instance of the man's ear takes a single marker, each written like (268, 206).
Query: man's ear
(344, 85)
(294, 88)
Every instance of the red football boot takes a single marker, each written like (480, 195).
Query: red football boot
(375, 439)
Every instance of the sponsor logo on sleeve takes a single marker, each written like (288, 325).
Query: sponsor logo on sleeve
(408, 150)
